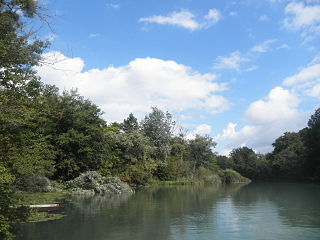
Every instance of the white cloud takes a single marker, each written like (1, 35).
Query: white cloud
(252, 68)
(279, 104)
(225, 152)
(135, 87)
(213, 16)
(185, 19)
(264, 18)
(203, 129)
(269, 118)
(283, 46)
(302, 17)
(306, 80)
(263, 47)
(227, 133)
(233, 61)
(112, 5)
(299, 15)
(94, 35)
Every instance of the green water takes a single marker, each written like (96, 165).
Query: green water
(252, 212)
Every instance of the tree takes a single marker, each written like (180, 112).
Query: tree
(8, 214)
(157, 126)
(225, 162)
(19, 49)
(129, 155)
(288, 156)
(20, 139)
(25, 146)
(312, 140)
(130, 124)
(199, 151)
(245, 161)
(77, 136)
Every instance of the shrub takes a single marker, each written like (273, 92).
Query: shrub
(33, 183)
(230, 176)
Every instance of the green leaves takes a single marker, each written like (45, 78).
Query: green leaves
(158, 126)
(8, 214)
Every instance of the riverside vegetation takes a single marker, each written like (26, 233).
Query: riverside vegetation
(50, 142)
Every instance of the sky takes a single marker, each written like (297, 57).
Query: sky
(242, 72)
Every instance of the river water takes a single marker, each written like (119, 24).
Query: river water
(258, 211)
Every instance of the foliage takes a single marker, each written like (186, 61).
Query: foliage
(130, 124)
(92, 182)
(129, 155)
(158, 126)
(33, 183)
(199, 151)
(77, 135)
(37, 216)
(311, 137)
(225, 162)
(295, 156)
(231, 176)
(9, 215)
(19, 50)
(288, 155)
(245, 161)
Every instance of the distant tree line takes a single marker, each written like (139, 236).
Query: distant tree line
(296, 155)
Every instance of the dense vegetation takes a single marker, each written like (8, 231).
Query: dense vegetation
(48, 135)
(296, 155)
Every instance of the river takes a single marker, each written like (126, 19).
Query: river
(258, 211)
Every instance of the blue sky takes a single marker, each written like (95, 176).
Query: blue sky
(243, 72)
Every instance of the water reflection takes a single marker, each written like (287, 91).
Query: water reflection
(255, 211)
(297, 203)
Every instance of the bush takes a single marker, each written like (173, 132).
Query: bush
(92, 182)
(9, 215)
(137, 175)
(33, 183)
(230, 176)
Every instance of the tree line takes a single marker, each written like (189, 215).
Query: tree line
(296, 156)
(59, 136)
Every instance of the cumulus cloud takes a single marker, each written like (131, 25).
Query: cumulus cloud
(279, 104)
(135, 87)
(263, 47)
(185, 19)
(203, 129)
(303, 17)
(269, 118)
(234, 61)
(307, 80)
(213, 16)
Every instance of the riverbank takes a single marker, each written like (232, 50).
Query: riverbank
(37, 215)
(92, 183)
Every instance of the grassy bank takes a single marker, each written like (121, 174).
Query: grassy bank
(42, 198)
(202, 176)
(27, 199)
(227, 176)
(177, 182)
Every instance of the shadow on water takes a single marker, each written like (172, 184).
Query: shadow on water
(187, 212)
